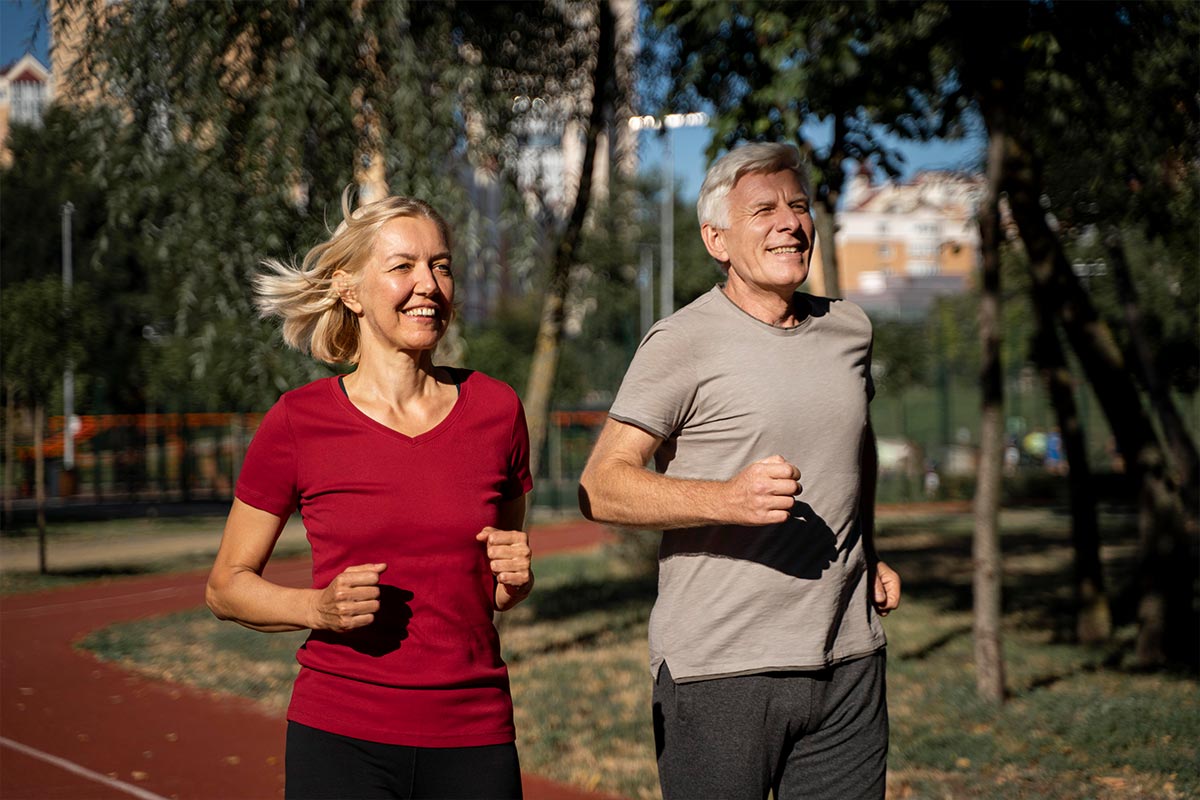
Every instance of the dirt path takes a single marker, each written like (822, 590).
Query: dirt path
(74, 727)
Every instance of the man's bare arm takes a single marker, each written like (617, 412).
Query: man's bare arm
(617, 488)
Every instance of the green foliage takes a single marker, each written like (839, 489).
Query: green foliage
(768, 67)
(235, 127)
(43, 333)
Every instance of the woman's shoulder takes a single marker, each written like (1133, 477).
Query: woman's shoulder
(314, 393)
(484, 384)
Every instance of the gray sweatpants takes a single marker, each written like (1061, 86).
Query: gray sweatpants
(817, 735)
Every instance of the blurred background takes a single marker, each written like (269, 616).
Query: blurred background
(1009, 189)
(153, 154)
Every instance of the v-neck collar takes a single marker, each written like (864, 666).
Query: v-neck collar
(464, 389)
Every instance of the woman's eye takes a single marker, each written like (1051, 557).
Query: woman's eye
(401, 267)
(443, 268)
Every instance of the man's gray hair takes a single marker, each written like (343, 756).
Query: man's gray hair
(759, 157)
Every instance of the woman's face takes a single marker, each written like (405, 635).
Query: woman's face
(406, 289)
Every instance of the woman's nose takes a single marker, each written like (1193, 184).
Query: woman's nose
(426, 282)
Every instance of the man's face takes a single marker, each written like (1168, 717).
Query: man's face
(769, 240)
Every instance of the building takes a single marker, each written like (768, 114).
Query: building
(26, 88)
(902, 245)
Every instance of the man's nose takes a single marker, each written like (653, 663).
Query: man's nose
(788, 219)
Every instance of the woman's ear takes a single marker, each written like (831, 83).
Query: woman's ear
(345, 287)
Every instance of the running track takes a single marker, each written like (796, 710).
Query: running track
(74, 727)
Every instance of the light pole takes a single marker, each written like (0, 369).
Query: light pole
(68, 279)
(693, 119)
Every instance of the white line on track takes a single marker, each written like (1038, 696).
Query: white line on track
(104, 602)
(69, 766)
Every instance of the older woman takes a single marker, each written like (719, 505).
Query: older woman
(411, 481)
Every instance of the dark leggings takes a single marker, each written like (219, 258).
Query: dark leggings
(327, 766)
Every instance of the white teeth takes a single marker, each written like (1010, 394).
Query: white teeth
(421, 312)
(788, 249)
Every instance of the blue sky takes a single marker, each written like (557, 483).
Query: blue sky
(17, 21)
(18, 18)
(689, 145)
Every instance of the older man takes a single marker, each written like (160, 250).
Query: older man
(765, 642)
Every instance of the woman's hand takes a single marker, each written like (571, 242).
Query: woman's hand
(511, 562)
(349, 601)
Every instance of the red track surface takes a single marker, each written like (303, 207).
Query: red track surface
(73, 727)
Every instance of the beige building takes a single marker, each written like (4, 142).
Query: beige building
(900, 245)
(26, 88)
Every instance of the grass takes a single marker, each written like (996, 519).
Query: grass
(1077, 724)
(117, 550)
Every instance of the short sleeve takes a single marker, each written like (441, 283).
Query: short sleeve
(519, 481)
(659, 388)
(268, 479)
(869, 378)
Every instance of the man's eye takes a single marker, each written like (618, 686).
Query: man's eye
(401, 267)
(443, 267)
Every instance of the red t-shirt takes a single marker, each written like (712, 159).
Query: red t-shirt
(427, 672)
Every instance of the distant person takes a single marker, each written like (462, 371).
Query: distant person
(411, 481)
(1053, 461)
(765, 642)
(933, 481)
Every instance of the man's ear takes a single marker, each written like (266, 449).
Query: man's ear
(714, 242)
(344, 286)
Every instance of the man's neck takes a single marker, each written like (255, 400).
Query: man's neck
(774, 308)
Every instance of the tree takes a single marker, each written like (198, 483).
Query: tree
(273, 108)
(40, 337)
(785, 72)
(1030, 77)
(989, 571)
(545, 354)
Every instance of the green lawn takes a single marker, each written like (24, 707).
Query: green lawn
(1077, 724)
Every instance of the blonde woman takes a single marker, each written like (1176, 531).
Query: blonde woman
(411, 481)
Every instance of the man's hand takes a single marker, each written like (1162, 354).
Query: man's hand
(349, 601)
(511, 562)
(763, 493)
(886, 589)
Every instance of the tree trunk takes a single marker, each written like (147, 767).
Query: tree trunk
(826, 223)
(1168, 561)
(545, 353)
(1093, 618)
(1180, 446)
(827, 196)
(989, 654)
(39, 479)
(10, 453)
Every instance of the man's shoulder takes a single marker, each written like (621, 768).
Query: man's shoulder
(698, 312)
(835, 312)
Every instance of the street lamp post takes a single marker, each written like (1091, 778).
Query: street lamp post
(68, 279)
(694, 119)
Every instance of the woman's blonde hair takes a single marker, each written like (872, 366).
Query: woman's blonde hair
(315, 320)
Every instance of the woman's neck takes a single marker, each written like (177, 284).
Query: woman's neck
(403, 393)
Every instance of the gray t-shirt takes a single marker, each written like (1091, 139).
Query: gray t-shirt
(723, 389)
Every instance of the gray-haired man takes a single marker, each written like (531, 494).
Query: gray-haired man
(765, 641)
